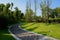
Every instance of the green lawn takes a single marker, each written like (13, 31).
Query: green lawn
(52, 30)
(4, 35)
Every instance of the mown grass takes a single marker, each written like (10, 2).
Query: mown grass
(52, 30)
(4, 35)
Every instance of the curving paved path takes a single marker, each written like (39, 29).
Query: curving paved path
(26, 35)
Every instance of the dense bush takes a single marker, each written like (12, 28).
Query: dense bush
(3, 22)
(56, 20)
(8, 17)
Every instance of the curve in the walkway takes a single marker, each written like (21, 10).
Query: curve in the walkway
(21, 34)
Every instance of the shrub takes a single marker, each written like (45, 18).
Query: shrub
(57, 20)
(3, 22)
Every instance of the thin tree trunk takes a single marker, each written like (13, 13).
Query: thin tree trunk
(35, 9)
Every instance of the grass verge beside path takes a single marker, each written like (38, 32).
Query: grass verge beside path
(5, 35)
(52, 30)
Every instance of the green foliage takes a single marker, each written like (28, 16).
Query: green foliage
(53, 14)
(8, 16)
(11, 5)
(45, 4)
(57, 12)
(17, 13)
(3, 22)
(28, 15)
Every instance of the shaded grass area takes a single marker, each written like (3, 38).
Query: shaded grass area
(52, 30)
(4, 35)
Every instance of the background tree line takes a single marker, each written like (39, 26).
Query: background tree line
(49, 15)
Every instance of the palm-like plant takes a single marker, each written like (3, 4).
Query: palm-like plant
(11, 5)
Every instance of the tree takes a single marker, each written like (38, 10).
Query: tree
(42, 5)
(45, 5)
(28, 13)
(1, 9)
(9, 16)
(57, 12)
(11, 5)
(17, 13)
(35, 2)
(6, 9)
(52, 14)
(22, 15)
(4, 18)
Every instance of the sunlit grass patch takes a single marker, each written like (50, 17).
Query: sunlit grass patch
(52, 30)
